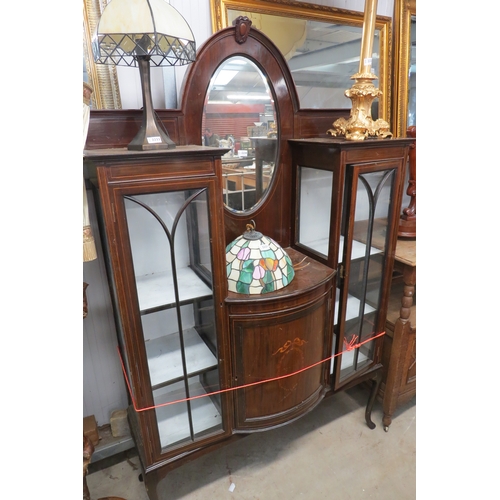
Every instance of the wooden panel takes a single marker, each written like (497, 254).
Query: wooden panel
(315, 123)
(273, 345)
(183, 161)
(116, 128)
(277, 334)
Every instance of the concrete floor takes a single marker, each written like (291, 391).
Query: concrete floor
(329, 453)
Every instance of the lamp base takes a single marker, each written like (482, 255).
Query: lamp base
(151, 138)
(360, 124)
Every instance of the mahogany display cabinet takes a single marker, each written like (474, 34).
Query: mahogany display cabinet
(347, 200)
(162, 217)
(204, 365)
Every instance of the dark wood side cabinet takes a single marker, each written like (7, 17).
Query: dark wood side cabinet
(347, 200)
(162, 220)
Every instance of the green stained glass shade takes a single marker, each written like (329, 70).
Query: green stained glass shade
(256, 264)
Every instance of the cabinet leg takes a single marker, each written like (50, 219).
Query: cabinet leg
(386, 421)
(151, 484)
(376, 380)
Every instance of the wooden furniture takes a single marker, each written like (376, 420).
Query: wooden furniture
(276, 334)
(206, 366)
(347, 199)
(163, 220)
(245, 180)
(399, 351)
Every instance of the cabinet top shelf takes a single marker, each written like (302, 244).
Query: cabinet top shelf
(308, 275)
(340, 142)
(118, 153)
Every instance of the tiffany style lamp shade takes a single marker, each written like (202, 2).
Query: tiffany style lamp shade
(256, 264)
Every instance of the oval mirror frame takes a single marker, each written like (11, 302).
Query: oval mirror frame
(262, 52)
(239, 114)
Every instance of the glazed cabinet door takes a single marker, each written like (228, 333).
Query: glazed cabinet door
(346, 212)
(368, 229)
(165, 240)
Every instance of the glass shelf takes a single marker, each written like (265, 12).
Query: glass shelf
(156, 290)
(352, 310)
(165, 361)
(358, 248)
(173, 421)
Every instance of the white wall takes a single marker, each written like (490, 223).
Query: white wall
(104, 389)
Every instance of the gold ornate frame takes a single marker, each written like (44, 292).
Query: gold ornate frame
(102, 78)
(292, 8)
(403, 11)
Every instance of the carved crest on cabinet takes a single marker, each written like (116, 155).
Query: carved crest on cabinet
(243, 25)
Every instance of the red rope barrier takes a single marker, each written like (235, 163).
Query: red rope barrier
(349, 346)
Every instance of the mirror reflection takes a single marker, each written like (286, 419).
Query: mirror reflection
(322, 56)
(239, 114)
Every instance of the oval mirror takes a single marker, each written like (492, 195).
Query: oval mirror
(239, 114)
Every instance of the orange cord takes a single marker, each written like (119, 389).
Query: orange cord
(349, 347)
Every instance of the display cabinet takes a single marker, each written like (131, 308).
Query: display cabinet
(161, 215)
(255, 361)
(347, 203)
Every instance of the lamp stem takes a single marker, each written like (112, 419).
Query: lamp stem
(360, 124)
(369, 20)
(150, 135)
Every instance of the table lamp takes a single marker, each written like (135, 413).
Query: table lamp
(141, 33)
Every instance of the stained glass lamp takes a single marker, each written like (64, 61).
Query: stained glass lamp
(256, 264)
(141, 33)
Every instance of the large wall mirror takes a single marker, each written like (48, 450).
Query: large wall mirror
(405, 66)
(321, 45)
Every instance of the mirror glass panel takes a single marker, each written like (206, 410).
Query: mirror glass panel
(239, 114)
(322, 56)
(412, 74)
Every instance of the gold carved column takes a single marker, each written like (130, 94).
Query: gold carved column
(360, 124)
